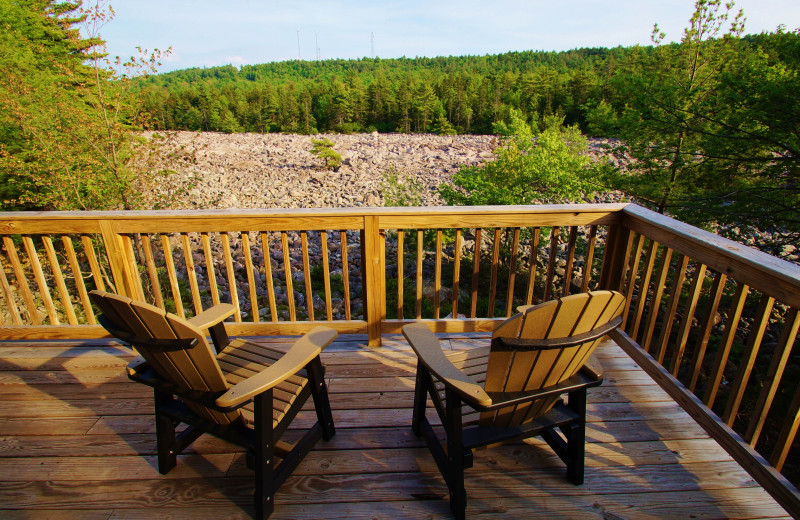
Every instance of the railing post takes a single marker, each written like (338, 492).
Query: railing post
(373, 272)
(124, 283)
(612, 274)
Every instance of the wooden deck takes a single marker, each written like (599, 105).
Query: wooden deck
(77, 441)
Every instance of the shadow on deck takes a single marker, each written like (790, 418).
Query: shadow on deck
(77, 441)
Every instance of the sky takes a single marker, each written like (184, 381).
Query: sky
(206, 33)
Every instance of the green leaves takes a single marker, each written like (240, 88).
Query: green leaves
(546, 168)
(323, 148)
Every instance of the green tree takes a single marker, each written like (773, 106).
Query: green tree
(65, 112)
(547, 167)
(323, 148)
(670, 95)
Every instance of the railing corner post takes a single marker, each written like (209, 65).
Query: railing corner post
(123, 279)
(612, 274)
(373, 271)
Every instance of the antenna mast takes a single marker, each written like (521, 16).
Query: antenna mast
(316, 40)
(372, 44)
(298, 45)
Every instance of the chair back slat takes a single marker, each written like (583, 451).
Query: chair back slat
(189, 369)
(531, 369)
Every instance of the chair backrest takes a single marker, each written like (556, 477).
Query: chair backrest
(194, 368)
(526, 368)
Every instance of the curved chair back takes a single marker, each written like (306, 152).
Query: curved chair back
(176, 350)
(519, 362)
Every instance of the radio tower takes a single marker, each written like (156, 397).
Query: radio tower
(298, 45)
(316, 40)
(372, 46)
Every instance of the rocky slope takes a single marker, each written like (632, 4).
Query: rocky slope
(277, 170)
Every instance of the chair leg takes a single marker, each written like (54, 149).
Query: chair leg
(455, 455)
(420, 398)
(264, 455)
(319, 391)
(576, 438)
(165, 434)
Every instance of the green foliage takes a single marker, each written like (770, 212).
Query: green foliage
(323, 148)
(713, 123)
(547, 167)
(400, 190)
(65, 124)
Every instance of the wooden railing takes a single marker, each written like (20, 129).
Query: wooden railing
(284, 270)
(714, 322)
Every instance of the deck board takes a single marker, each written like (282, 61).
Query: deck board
(77, 441)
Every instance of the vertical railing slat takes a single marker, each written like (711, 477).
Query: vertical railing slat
(555, 234)
(456, 274)
(588, 263)
(418, 311)
(688, 316)
(512, 273)
(287, 270)
(94, 265)
(573, 240)
(129, 255)
(669, 317)
(326, 275)
(437, 276)
(211, 273)
(476, 266)
(655, 303)
(495, 263)
(58, 276)
(533, 265)
(345, 274)
(273, 308)
(400, 273)
(644, 287)
(728, 336)
(698, 357)
(172, 275)
(41, 281)
(633, 275)
(16, 318)
(754, 340)
(152, 271)
(194, 287)
(774, 375)
(307, 276)
(251, 281)
(233, 290)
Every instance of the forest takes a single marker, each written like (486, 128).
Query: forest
(710, 124)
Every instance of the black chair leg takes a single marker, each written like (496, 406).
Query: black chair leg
(455, 455)
(264, 455)
(576, 438)
(420, 398)
(319, 391)
(165, 434)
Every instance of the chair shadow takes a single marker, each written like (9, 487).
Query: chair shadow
(89, 377)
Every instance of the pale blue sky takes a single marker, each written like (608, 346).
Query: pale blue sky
(206, 33)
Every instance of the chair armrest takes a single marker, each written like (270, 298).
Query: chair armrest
(210, 317)
(298, 356)
(427, 348)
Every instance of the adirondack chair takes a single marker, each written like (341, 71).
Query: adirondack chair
(513, 389)
(242, 392)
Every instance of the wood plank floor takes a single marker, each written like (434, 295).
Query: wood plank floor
(77, 441)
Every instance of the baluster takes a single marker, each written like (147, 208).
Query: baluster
(273, 308)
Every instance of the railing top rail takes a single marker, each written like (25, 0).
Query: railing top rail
(23, 222)
(203, 214)
(764, 272)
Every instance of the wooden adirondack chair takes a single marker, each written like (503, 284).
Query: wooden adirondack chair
(513, 389)
(244, 393)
